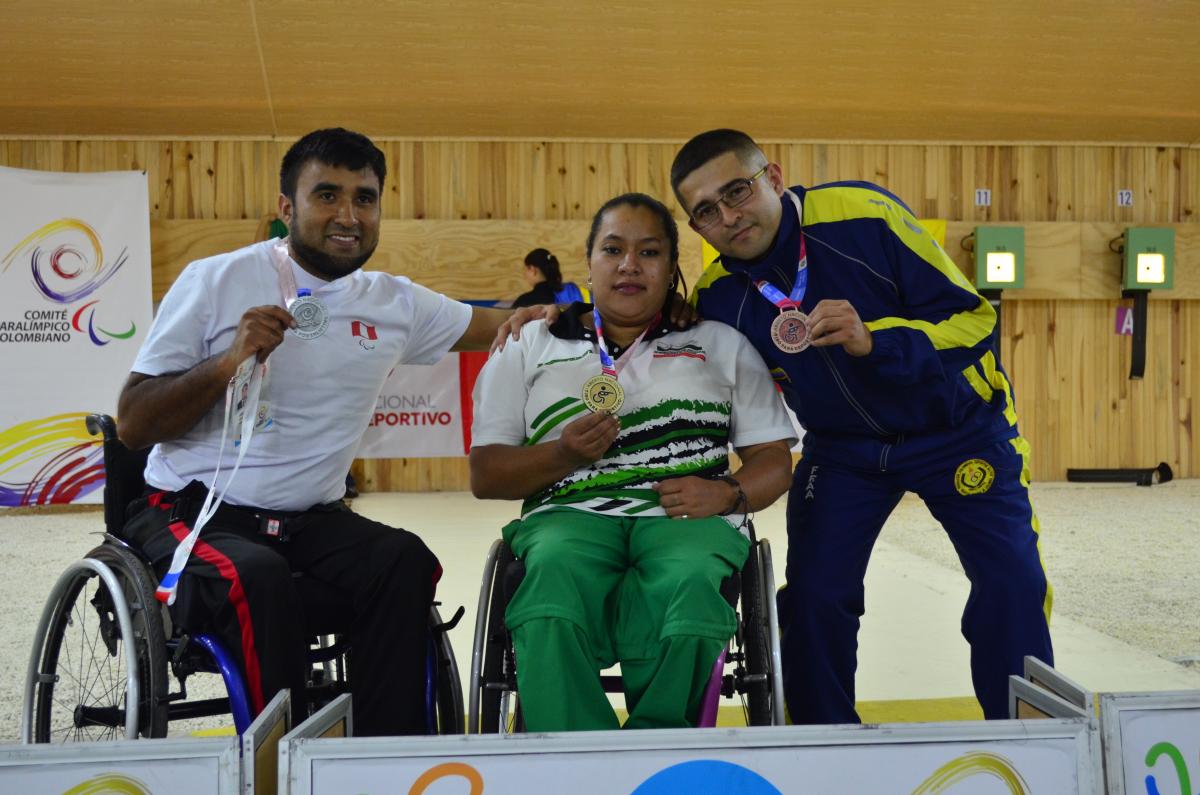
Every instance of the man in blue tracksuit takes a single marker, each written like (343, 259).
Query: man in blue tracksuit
(888, 357)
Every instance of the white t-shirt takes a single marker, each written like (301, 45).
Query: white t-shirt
(688, 396)
(319, 393)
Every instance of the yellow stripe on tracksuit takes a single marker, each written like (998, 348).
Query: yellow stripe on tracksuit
(963, 330)
(713, 272)
(1022, 447)
(991, 382)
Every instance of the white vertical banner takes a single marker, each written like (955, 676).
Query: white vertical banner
(75, 306)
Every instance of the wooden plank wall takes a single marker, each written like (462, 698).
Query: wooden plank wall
(1077, 406)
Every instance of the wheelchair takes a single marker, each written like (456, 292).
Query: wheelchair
(104, 644)
(752, 656)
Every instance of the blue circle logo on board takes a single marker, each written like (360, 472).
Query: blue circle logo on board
(706, 777)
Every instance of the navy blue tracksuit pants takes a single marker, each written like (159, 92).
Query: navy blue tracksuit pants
(835, 514)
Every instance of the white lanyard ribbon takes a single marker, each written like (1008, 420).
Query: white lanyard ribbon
(287, 280)
(250, 375)
(607, 365)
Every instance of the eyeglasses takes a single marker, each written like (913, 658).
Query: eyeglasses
(705, 215)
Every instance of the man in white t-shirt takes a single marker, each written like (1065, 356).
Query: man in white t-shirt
(282, 513)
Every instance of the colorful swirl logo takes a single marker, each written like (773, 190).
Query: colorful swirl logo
(66, 261)
(1172, 752)
(978, 763)
(457, 770)
(69, 461)
(110, 784)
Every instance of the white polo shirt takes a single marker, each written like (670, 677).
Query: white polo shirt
(688, 396)
(319, 393)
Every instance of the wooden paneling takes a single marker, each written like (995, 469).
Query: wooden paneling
(1075, 401)
(479, 260)
(534, 180)
(1077, 405)
(948, 70)
(467, 260)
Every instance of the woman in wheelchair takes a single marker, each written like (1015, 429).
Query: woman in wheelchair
(614, 427)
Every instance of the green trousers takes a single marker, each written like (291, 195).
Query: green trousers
(644, 592)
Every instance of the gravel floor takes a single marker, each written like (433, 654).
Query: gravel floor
(1122, 559)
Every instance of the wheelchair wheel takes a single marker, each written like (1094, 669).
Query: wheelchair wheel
(449, 697)
(80, 686)
(495, 708)
(759, 635)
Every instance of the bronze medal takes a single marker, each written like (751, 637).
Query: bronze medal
(789, 332)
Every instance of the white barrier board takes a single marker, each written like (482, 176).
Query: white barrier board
(1151, 742)
(130, 767)
(1001, 757)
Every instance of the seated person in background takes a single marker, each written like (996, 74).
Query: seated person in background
(630, 520)
(545, 277)
(283, 512)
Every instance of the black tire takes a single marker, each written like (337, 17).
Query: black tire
(96, 681)
(451, 718)
(756, 646)
(498, 708)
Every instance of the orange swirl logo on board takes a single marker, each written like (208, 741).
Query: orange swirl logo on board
(973, 476)
(448, 770)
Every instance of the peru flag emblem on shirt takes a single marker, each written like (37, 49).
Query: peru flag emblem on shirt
(364, 330)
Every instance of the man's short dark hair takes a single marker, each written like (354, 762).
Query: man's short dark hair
(336, 147)
(705, 147)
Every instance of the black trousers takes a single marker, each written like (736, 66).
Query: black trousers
(239, 586)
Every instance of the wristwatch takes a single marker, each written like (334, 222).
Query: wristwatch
(740, 502)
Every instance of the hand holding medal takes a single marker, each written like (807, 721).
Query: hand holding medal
(837, 323)
(585, 439)
(260, 331)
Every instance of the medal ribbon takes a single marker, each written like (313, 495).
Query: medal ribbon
(283, 267)
(800, 286)
(607, 365)
(170, 582)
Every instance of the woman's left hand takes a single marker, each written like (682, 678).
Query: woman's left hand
(694, 498)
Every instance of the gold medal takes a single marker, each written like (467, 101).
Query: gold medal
(603, 393)
(789, 332)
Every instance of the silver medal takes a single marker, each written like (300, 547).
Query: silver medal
(312, 318)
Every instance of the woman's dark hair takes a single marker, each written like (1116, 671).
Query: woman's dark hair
(547, 263)
(664, 218)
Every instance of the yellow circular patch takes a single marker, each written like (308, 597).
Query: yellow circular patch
(974, 476)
